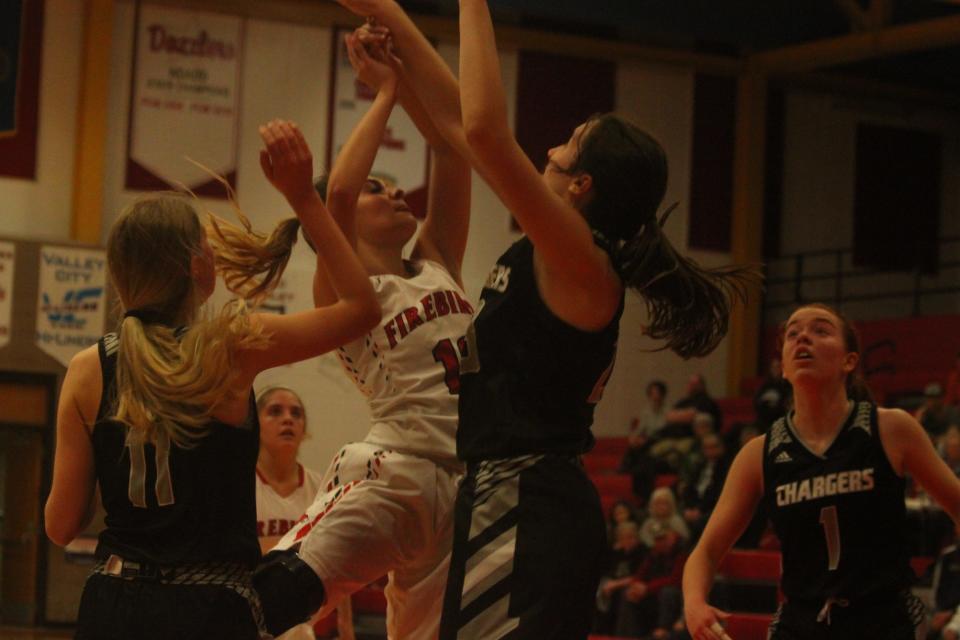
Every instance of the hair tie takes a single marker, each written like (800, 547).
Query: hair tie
(147, 316)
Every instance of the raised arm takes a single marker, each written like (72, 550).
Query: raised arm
(288, 165)
(430, 95)
(426, 73)
(739, 499)
(569, 264)
(352, 167)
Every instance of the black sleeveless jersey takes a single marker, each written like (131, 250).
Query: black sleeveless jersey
(169, 505)
(533, 381)
(841, 517)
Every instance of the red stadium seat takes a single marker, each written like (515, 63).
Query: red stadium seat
(610, 445)
(748, 626)
(602, 462)
(619, 485)
(751, 565)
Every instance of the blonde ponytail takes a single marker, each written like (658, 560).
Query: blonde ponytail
(171, 381)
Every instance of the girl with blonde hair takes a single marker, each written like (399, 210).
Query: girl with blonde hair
(161, 413)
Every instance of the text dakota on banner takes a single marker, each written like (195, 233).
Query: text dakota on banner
(185, 100)
(6, 290)
(70, 301)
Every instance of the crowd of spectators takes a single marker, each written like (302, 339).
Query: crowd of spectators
(688, 445)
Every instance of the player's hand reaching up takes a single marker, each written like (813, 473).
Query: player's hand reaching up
(376, 70)
(287, 161)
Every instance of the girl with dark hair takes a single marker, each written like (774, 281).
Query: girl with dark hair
(161, 413)
(544, 341)
(529, 531)
(830, 475)
(387, 502)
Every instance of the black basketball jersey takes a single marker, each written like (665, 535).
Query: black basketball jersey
(841, 517)
(534, 379)
(169, 505)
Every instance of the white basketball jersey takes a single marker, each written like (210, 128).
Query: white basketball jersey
(409, 365)
(276, 514)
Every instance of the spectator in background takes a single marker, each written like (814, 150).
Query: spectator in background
(652, 602)
(702, 489)
(772, 398)
(946, 592)
(696, 401)
(626, 554)
(952, 395)
(677, 436)
(644, 432)
(654, 416)
(621, 511)
(663, 513)
(285, 488)
(934, 414)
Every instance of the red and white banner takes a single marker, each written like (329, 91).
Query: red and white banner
(7, 257)
(403, 156)
(185, 100)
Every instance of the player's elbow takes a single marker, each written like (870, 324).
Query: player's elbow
(61, 533)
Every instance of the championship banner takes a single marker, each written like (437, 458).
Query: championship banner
(6, 290)
(70, 300)
(184, 100)
(21, 36)
(403, 157)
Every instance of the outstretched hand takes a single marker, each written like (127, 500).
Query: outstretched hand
(371, 60)
(287, 161)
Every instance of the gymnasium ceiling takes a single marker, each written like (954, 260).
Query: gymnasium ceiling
(738, 28)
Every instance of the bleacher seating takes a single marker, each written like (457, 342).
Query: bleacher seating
(748, 626)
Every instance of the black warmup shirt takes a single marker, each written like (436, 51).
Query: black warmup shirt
(169, 505)
(538, 378)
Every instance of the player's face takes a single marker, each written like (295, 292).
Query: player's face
(282, 422)
(383, 216)
(814, 349)
(559, 161)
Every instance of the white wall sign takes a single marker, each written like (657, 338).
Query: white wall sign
(185, 99)
(71, 300)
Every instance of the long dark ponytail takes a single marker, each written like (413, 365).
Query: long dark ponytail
(688, 305)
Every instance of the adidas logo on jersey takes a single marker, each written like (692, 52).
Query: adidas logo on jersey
(783, 457)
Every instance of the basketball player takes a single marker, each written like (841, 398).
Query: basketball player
(285, 488)
(387, 506)
(529, 532)
(161, 414)
(830, 475)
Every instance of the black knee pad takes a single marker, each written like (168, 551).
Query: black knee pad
(290, 592)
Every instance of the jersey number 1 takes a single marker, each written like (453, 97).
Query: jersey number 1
(457, 359)
(831, 529)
